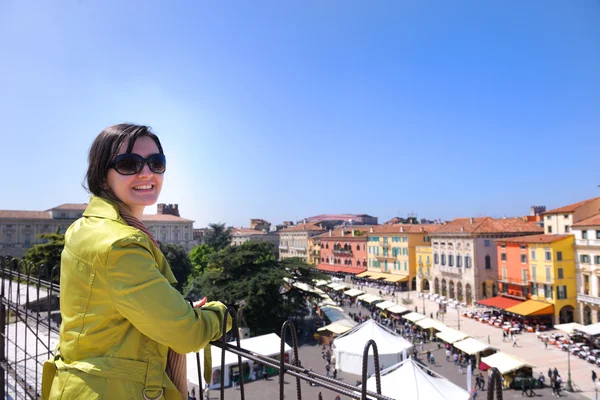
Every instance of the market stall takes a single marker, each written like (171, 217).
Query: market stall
(451, 336)
(474, 347)
(509, 366)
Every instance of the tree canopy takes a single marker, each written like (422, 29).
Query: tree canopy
(219, 237)
(47, 253)
(250, 277)
(178, 261)
(200, 257)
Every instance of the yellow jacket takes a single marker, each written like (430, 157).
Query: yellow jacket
(120, 314)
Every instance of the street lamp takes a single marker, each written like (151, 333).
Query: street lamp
(458, 316)
(569, 385)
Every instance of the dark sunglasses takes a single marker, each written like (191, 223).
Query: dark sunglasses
(131, 163)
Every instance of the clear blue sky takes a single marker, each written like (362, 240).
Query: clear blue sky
(283, 110)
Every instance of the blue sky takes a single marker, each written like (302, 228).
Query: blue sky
(283, 110)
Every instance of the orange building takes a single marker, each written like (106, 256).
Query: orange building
(513, 268)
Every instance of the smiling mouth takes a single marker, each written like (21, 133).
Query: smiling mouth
(143, 187)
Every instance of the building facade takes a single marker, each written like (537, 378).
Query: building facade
(314, 250)
(343, 250)
(424, 257)
(391, 250)
(19, 230)
(241, 235)
(561, 220)
(465, 258)
(587, 260)
(293, 241)
(338, 219)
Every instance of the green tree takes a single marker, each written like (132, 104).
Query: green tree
(200, 257)
(250, 276)
(178, 261)
(219, 237)
(47, 253)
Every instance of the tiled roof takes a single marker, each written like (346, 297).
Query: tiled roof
(534, 239)
(594, 220)
(405, 228)
(325, 217)
(17, 214)
(309, 226)
(71, 206)
(163, 218)
(337, 233)
(489, 225)
(570, 207)
(246, 231)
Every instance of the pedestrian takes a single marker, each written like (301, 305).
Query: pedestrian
(549, 373)
(455, 358)
(432, 361)
(541, 380)
(447, 354)
(514, 341)
(555, 372)
(553, 384)
(524, 387)
(327, 368)
(557, 383)
(474, 393)
(546, 343)
(460, 368)
(334, 372)
(428, 356)
(481, 381)
(594, 376)
(504, 336)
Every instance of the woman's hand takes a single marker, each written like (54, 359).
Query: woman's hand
(200, 303)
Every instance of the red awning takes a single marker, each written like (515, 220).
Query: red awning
(339, 268)
(500, 302)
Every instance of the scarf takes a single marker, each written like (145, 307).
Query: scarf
(176, 363)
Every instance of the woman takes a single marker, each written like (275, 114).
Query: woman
(122, 319)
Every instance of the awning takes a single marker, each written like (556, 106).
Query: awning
(353, 292)
(413, 317)
(397, 309)
(341, 287)
(396, 278)
(321, 282)
(531, 308)
(378, 275)
(569, 328)
(471, 346)
(334, 313)
(505, 363)
(332, 284)
(339, 268)
(372, 299)
(363, 274)
(428, 323)
(590, 330)
(363, 296)
(339, 327)
(451, 335)
(384, 305)
(499, 302)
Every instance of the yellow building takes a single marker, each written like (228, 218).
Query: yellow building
(424, 265)
(552, 278)
(391, 254)
(313, 250)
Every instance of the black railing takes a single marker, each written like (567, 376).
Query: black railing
(30, 320)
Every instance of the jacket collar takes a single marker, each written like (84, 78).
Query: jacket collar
(103, 208)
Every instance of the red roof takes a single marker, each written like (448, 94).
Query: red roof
(339, 268)
(570, 207)
(534, 239)
(500, 302)
(489, 225)
(594, 220)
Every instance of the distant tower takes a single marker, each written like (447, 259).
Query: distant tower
(536, 210)
(168, 209)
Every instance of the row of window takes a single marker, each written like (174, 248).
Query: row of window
(396, 251)
(503, 257)
(395, 239)
(538, 289)
(584, 234)
(397, 265)
(449, 260)
(586, 259)
(338, 246)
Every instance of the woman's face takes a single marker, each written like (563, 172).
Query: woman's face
(138, 190)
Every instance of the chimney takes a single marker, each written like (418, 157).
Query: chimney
(330, 233)
(371, 229)
(421, 229)
(401, 229)
(472, 220)
(352, 232)
(462, 228)
(343, 232)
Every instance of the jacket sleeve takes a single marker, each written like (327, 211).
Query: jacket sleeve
(142, 295)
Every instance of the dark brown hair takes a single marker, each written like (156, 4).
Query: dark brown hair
(106, 147)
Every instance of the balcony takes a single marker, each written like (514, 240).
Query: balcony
(451, 270)
(513, 281)
(342, 252)
(385, 257)
(384, 244)
(587, 242)
(589, 299)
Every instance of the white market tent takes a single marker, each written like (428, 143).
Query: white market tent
(341, 287)
(384, 305)
(267, 345)
(409, 380)
(327, 302)
(471, 346)
(372, 299)
(569, 328)
(451, 335)
(353, 292)
(428, 323)
(332, 285)
(362, 296)
(590, 330)
(505, 362)
(339, 327)
(321, 282)
(348, 348)
(413, 317)
(397, 309)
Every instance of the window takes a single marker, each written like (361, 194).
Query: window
(533, 272)
(566, 216)
(597, 234)
(549, 229)
(524, 275)
(487, 242)
(443, 259)
(376, 250)
(420, 259)
(548, 255)
(503, 256)
(385, 240)
(503, 245)
(533, 288)
(369, 249)
(548, 217)
(164, 237)
(27, 239)
(533, 254)
(488, 262)
(559, 256)
(523, 247)
(436, 258)
(459, 261)
(467, 261)
(405, 239)
(567, 229)
(548, 291)
(358, 247)
(451, 260)
(523, 258)
(187, 236)
(548, 275)
(560, 273)
(584, 234)
(561, 292)
(585, 258)
(504, 274)
(405, 266)
(597, 260)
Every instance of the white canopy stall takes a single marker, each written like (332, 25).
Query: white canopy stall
(348, 348)
(353, 292)
(413, 317)
(267, 345)
(450, 335)
(409, 380)
(384, 305)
